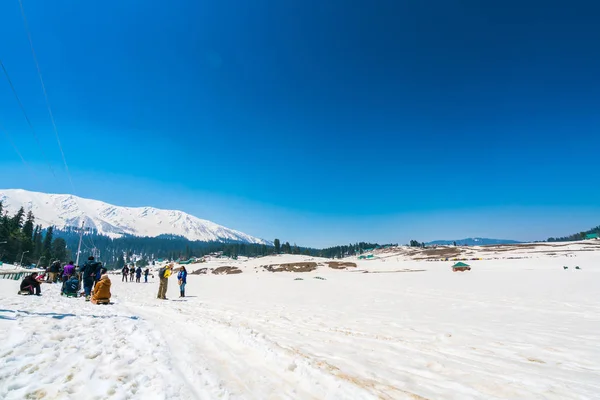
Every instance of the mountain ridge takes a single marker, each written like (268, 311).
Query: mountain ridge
(473, 242)
(66, 210)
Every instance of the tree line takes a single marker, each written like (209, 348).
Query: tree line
(21, 240)
(575, 236)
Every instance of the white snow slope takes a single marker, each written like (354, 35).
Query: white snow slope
(507, 329)
(70, 211)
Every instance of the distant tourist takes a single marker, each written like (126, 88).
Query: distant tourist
(31, 285)
(125, 272)
(146, 272)
(138, 274)
(131, 272)
(53, 271)
(163, 274)
(101, 294)
(182, 280)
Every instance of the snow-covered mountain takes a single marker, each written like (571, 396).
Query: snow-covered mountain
(473, 242)
(61, 210)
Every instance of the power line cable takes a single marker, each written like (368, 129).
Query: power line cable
(16, 149)
(39, 71)
(26, 117)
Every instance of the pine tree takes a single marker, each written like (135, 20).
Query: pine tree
(38, 246)
(17, 221)
(120, 261)
(277, 245)
(28, 234)
(59, 250)
(47, 247)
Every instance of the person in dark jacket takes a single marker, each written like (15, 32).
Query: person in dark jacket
(138, 274)
(182, 280)
(71, 286)
(131, 272)
(89, 274)
(146, 272)
(53, 271)
(125, 272)
(31, 285)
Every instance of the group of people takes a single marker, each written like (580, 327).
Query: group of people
(133, 271)
(94, 277)
(163, 275)
(55, 272)
(95, 280)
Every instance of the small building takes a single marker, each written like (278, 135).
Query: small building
(461, 266)
(592, 236)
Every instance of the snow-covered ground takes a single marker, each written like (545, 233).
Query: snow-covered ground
(507, 329)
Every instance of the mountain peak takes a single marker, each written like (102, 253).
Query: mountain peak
(66, 210)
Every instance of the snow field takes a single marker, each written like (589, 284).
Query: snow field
(508, 329)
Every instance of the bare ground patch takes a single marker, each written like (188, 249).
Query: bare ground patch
(226, 270)
(340, 264)
(291, 267)
(443, 252)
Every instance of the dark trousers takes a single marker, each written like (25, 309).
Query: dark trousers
(87, 287)
(32, 289)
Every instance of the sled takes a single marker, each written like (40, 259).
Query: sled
(25, 293)
(102, 301)
(70, 294)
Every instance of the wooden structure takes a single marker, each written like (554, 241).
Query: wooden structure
(460, 266)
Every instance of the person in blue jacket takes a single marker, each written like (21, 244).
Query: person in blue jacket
(182, 279)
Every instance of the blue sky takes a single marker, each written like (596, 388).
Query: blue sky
(316, 122)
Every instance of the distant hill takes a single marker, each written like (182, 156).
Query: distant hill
(472, 242)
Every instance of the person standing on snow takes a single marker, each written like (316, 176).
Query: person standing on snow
(131, 272)
(146, 272)
(89, 275)
(182, 280)
(138, 274)
(163, 274)
(125, 272)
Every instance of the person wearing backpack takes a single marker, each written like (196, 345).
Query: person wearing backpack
(182, 280)
(163, 275)
(89, 275)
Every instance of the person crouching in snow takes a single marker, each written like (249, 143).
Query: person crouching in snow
(101, 293)
(163, 274)
(182, 280)
(31, 285)
(71, 287)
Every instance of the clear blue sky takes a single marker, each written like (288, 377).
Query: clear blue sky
(318, 122)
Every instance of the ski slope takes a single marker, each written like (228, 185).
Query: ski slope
(508, 329)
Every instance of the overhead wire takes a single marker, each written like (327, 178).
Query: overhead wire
(16, 149)
(39, 71)
(49, 107)
(12, 86)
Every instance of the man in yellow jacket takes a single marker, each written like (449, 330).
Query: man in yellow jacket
(163, 275)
